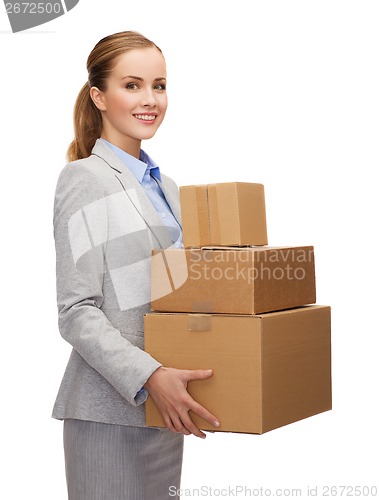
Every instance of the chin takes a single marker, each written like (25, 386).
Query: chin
(144, 137)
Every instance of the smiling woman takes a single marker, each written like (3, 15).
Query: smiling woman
(133, 106)
(112, 206)
(126, 77)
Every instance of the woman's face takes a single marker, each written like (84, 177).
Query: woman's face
(134, 104)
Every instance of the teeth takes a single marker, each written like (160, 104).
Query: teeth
(145, 117)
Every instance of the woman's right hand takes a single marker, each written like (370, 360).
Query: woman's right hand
(168, 388)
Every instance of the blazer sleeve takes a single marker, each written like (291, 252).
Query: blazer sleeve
(79, 287)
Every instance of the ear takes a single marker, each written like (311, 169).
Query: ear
(97, 97)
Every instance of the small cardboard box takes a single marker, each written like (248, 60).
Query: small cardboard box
(268, 370)
(229, 213)
(233, 280)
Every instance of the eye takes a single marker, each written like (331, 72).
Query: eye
(161, 86)
(132, 86)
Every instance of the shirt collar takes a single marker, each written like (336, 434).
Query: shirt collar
(137, 166)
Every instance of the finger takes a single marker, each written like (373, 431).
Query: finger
(188, 423)
(169, 424)
(197, 374)
(178, 424)
(204, 413)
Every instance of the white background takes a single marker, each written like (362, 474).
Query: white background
(279, 92)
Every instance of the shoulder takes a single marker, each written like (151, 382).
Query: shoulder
(79, 183)
(85, 167)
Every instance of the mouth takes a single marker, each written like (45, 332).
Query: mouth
(146, 118)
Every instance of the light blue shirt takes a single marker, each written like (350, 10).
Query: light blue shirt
(146, 171)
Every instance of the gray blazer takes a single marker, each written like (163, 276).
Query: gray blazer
(105, 227)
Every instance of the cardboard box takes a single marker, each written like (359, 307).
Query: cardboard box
(247, 280)
(230, 213)
(269, 370)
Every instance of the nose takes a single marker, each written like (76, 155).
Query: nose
(149, 99)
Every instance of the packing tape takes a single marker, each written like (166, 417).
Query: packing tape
(203, 306)
(209, 235)
(214, 216)
(224, 199)
(202, 211)
(191, 216)
(197, 216)
(199, 322)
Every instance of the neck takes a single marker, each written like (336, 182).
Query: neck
(128, 144)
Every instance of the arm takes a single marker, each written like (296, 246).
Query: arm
(79, 272)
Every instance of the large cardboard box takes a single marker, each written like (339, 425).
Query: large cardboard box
(229, 213)
(245, 280)
(269, 370)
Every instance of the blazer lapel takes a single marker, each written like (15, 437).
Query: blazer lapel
(172, 199)
(144, 206)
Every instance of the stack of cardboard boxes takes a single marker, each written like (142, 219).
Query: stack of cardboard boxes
(229, 302)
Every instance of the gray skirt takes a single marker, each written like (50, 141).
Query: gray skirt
(119, 462)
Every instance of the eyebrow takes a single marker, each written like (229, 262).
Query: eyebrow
(141, 79)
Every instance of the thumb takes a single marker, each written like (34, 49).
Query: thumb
(199, 374)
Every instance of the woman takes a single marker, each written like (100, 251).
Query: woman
(112, 206)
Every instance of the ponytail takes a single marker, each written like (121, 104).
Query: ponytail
(87, 126)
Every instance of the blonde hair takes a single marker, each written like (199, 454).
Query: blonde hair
(100, 62)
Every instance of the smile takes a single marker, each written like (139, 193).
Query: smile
(146, 118)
